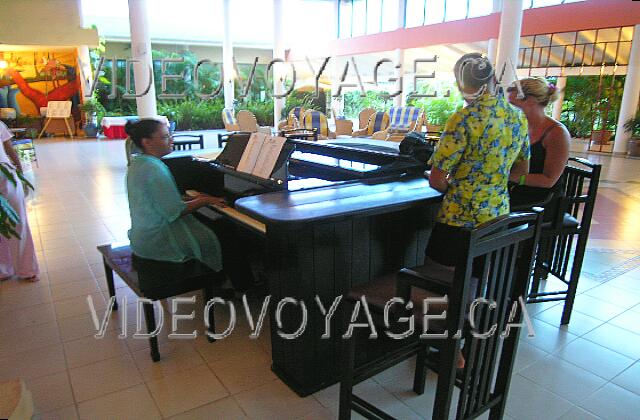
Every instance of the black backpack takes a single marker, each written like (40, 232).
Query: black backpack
(415, 145)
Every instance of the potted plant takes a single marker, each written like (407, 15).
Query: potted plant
(90, 107)
(632, 126)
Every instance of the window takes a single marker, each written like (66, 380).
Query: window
(435, 11)
(374, 16)
(390, 12)
(480, 8)
(345, 19)
(359, 18)
(414, 13)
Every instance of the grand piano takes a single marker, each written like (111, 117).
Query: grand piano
(333, 215)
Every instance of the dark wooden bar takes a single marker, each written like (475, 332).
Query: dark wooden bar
(324, 241)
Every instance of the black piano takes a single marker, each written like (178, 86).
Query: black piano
(332, 215)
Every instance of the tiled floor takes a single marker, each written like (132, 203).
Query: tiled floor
(590, 369)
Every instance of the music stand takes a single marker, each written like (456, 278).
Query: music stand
(58, 110)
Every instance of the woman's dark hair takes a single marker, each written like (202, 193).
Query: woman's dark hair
(138, 130)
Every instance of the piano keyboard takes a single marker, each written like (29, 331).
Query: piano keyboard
(231, 213)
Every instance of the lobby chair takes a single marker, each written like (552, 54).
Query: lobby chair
(401, 120)
(185, 141)
(378, 121)
(506, 247)
(316, 120)
(247, 122)
(563, 240)
(363, 117)
(229, 120)
(293, 119)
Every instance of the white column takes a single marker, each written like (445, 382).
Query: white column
(561, 84)
(629, 105)
(337, 104)
(227, 56)
(509, 39)
(278, 52)
(141, 51)
(84, 60)
(492, 50)
(492, 47)
(399, 73)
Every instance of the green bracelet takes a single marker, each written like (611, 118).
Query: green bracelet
(522, 179)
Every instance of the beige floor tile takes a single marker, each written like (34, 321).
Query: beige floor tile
(134, 403)
(66, 413)
(89, 350)
(74, 289)
(226, 408)
(242, 373)
(61, 244)
(21, 297)
(64, 263)
(186, 390)
(80, 326)
(27, 317)
(176, 356)
(104, 377)
(33, 363)
(70, 275)
(78, 305)
(36, 336)
(275, 400)
(51, 392)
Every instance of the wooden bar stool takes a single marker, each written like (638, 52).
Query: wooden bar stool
(505, 246)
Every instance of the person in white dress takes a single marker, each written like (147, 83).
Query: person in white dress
(17, 256)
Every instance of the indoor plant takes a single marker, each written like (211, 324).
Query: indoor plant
(632, 126)
(90, 107)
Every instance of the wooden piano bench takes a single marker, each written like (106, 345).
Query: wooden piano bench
(154, 280)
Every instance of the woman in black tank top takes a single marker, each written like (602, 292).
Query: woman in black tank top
(549, 140)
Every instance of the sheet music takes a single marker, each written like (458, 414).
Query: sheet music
(269, 154)
(251, 153)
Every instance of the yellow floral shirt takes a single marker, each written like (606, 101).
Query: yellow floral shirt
(479, 145)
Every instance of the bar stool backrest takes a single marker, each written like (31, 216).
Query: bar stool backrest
(506, 247)
(579, 189)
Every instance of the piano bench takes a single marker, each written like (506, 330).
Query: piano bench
(154, 280)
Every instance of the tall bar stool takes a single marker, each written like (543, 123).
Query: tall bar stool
(505, 248)
(567, 233)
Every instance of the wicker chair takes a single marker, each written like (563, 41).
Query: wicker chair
(378, 121)
(401, 120)
(318, 121)
(229, 120)
(363, 117)
(293, 119)
(247, 122)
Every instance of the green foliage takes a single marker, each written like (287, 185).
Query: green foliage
(192, 114)
(8, 217)
(297, 98)
(632, 125)
(8, 220)
(354, 103)
(93, 107)
(584, 108)
(262, 110)
(440, 107)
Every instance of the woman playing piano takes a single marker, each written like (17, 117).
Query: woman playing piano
(162, 227)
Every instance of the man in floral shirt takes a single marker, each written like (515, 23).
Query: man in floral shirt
(481, 145)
